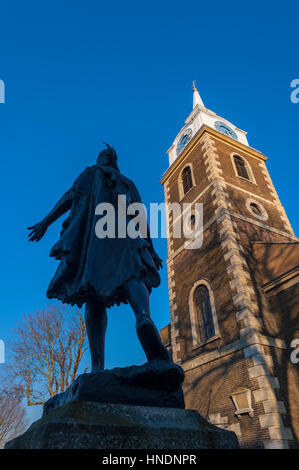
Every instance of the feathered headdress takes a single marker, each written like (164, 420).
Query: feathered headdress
(111, 150)
(108, 157)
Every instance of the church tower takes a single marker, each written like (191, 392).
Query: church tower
(232, 302)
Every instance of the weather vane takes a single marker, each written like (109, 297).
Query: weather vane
(194, 84)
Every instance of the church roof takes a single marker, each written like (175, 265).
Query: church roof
(275, 260)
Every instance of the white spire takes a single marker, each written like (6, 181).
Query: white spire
(196, 97)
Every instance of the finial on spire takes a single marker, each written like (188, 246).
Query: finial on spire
(196, 96)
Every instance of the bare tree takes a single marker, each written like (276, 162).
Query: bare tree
(13, 419)
(47, 349)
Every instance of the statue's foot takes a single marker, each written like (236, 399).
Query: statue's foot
(96, 368)
(164, 371)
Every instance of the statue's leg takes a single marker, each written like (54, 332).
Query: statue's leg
(148, 335)
(96, 325)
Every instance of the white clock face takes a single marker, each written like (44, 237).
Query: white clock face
(225, 129)
(184, 139)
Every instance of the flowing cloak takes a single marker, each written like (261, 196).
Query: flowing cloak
(98, 267)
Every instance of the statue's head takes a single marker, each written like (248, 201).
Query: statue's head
(108, 157)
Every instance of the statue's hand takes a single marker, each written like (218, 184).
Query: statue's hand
(157, 260)
(38, 231)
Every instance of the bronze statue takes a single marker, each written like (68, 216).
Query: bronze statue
(107, 271)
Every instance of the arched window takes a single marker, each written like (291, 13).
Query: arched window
(204, 313)
(203, 316)
(187, 179)
(241, 167)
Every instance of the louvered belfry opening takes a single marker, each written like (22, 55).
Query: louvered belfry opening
(241, 167)
(187, 179)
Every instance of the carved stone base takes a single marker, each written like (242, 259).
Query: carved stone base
(86, 425)
(155, 383)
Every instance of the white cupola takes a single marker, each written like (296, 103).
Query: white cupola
(199, 116)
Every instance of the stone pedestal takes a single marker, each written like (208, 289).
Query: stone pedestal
(89, 425)
(138, 407)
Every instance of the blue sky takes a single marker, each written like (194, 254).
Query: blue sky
(77, 73)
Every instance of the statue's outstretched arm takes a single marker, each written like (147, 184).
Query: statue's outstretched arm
(63, 205)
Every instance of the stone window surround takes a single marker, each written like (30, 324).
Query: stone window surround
(193, 315)
(264, 213)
